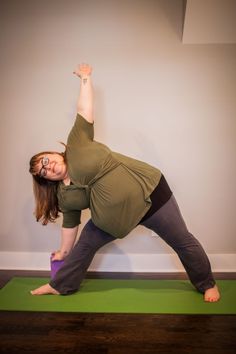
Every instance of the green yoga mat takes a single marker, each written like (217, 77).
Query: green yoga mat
(119, 296)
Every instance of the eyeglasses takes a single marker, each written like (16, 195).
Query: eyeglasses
(43, 171)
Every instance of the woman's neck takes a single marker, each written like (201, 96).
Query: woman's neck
(66, 180)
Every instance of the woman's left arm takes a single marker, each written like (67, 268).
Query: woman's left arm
(85, 99)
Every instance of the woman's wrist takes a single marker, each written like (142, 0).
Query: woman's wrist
(64, 253)
(84, 78)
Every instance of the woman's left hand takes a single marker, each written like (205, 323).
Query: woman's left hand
(83, 70)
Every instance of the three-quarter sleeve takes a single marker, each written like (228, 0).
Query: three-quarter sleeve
(71, 218)
(81, 132)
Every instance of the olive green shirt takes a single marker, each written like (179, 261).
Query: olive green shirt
(115, 188)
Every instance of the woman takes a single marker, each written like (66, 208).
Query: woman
(120, 192)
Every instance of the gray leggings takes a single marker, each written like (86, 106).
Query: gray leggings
(167, 222)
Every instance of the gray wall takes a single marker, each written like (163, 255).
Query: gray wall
(170, 104)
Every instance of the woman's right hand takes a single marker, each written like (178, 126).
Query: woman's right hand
(57, 256)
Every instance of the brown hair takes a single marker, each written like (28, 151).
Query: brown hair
(45, 192)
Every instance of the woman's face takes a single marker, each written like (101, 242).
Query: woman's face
(52, 167)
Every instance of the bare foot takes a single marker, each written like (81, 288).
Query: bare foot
(45, 289)
(212, 294)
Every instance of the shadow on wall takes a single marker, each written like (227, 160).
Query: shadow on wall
(175, 14)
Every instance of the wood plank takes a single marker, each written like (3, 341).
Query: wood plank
(35, 332)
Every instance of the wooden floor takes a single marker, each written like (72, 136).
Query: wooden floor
(82, 333)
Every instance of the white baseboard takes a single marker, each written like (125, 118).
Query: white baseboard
(116, 262)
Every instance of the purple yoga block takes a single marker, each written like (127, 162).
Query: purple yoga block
(55, 266)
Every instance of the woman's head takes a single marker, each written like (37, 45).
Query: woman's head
(49, 166)
(47, 169)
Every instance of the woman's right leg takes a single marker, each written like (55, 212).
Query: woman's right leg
(73, 271)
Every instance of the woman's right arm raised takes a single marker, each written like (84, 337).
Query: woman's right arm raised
(85, 99)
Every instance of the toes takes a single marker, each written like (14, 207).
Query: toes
(211, 299)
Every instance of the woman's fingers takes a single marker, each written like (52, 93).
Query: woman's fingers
(83, 69)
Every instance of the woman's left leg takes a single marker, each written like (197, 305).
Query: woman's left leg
(168, 223)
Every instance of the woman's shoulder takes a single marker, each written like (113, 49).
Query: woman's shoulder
(82, 131)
